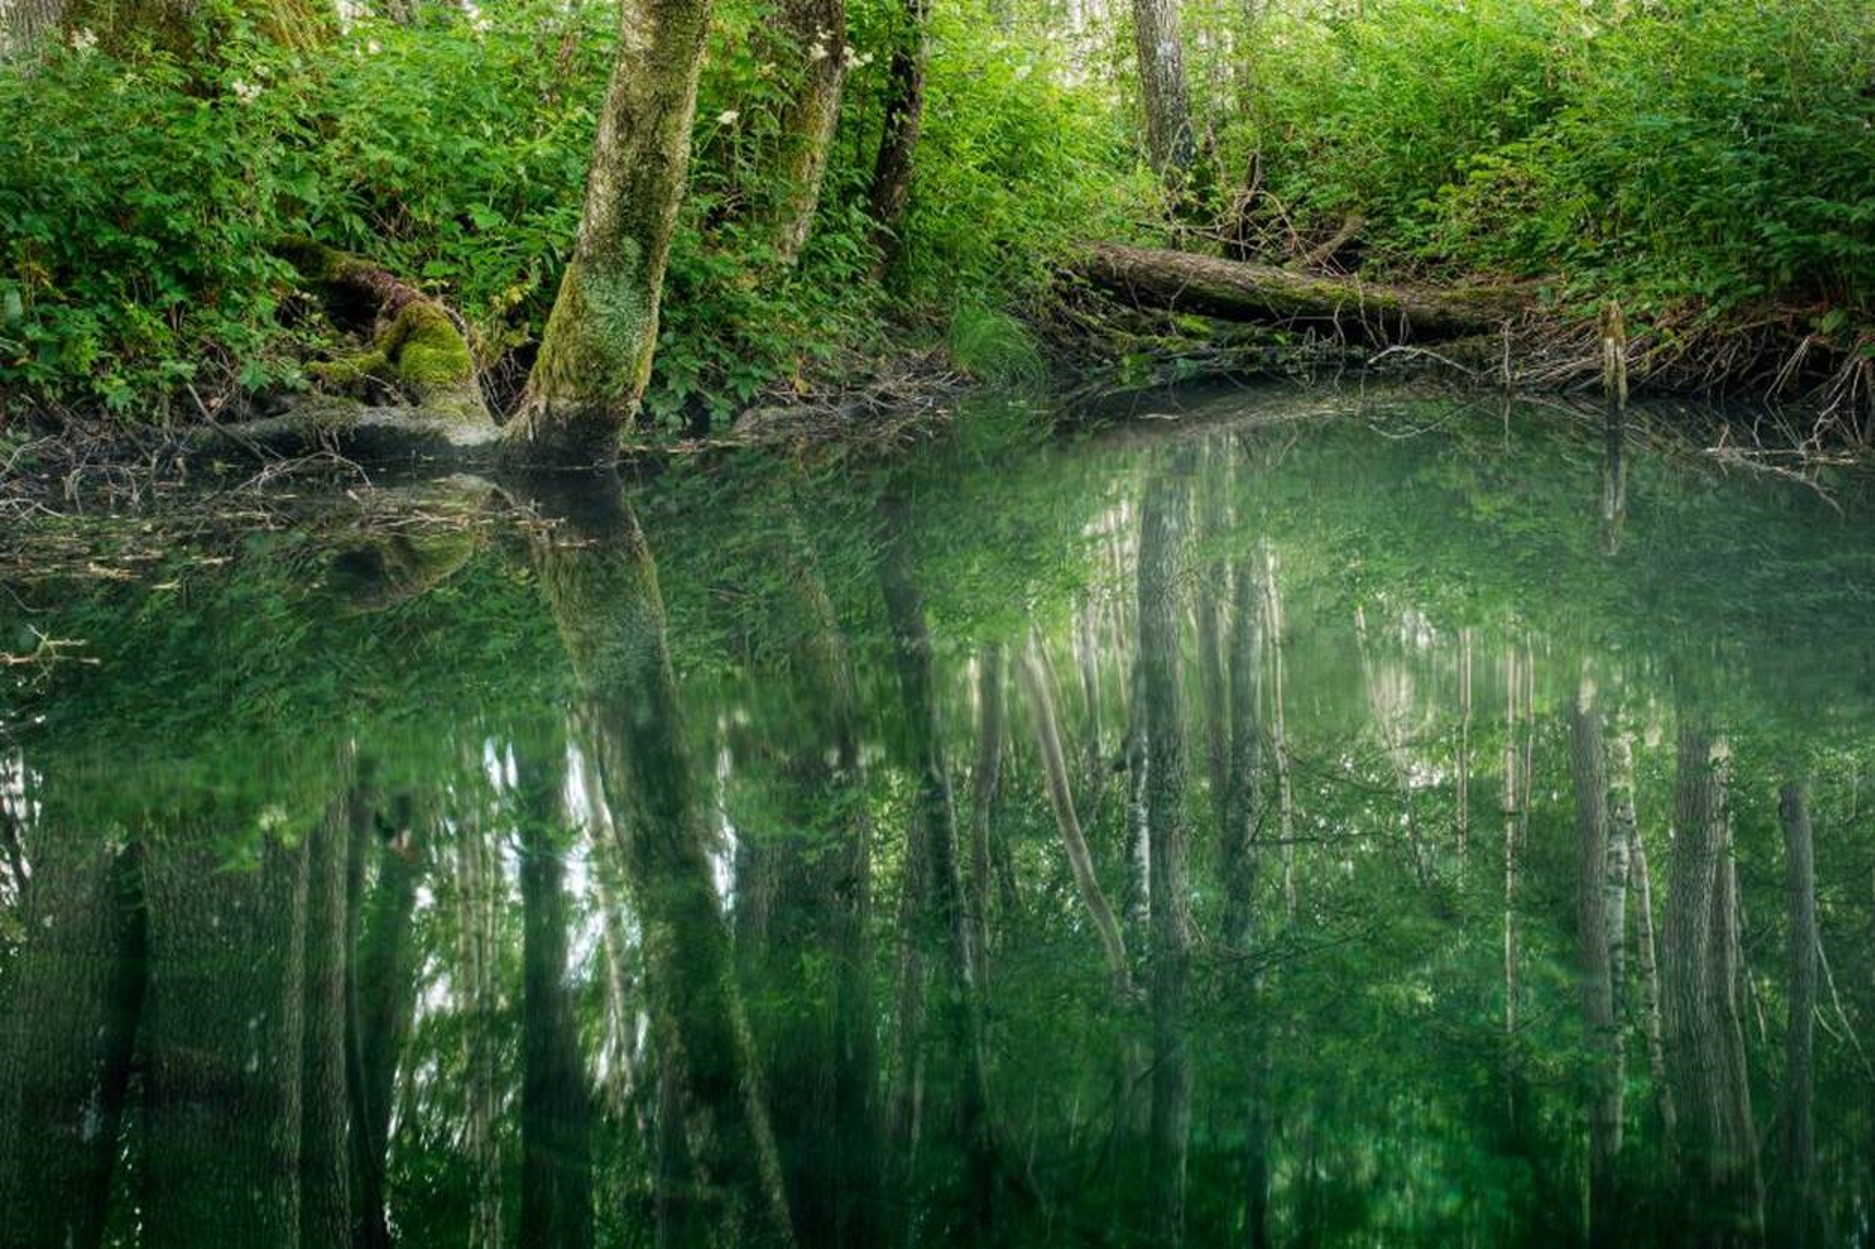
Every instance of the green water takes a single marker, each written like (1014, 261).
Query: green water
(677, 861)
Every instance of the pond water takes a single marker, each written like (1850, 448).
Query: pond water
(1321, 819)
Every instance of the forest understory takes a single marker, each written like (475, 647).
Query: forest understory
(248, 227)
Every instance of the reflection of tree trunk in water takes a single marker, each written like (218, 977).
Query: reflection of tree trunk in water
(621, 1057)
(1163, 526)
(948, 923)
(1651, 1021)
(1061, 798)
(905, 1091)
(1136, 890)
(1588, 768)
(1279, 726)
(603, 589)
(1462, 782)
(1614, 484)
(1087, 648)
(817, 1032)
(1511, 801)
(1801, 1206)
(74, 989)
(556, 1099)
(478, 879)
(380, 996)
(1212, 580)
(325, 1159)
(983, 780)
(1618, 870)
(1704, 1039)
(1238, 855)
(1385, 709)
(221, 1031)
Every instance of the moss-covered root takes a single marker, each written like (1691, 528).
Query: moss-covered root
(415, 345)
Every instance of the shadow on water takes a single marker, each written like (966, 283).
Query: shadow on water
(1308, 823)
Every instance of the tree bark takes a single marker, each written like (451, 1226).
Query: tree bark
(595, 356)
(1164, 530)
(1652, 1022)
(816, 40)
(1800, 1196)
(1347, 308)
(904, 122)
(1170, 143)
(479, 895)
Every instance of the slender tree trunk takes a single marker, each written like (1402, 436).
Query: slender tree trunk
(1169, 139)
(1719, 1145)
(1164, 531)
(1061, 798)
(222, 1026)
(1512, 801)
(1588, 767)
(1213, 583)
(1279, 726)
(556, 1095)
(602, 586)
(904, 121)
(1136, 891)
(1462, 779)
(74, 992)
(1087, 648)
(1800, 1197)
(983, 781)
(961, 1011)
(1651, 1019)
(478, 899)
(595, 357)
(815, 32)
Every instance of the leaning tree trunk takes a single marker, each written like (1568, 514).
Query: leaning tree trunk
(904, 122)
(1169, 139)
(602, 586)
(1800, 1195)
(815, 33)
(74, 986)
(1163, 535)
(595, 357)
(983, 781)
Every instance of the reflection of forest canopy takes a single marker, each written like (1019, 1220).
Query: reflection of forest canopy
(1224, 834)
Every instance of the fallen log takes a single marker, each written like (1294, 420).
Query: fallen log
(1362, 312)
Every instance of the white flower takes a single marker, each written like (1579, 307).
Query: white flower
(245, 92)
(727, 117)
(480, 24)
(373, 47)
(84, 40)
(818, 52)
(855, 59)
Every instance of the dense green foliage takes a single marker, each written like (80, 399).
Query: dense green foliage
(138, 199)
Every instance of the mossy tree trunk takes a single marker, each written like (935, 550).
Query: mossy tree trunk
(192, 30)
(815, 31)
(595, 357)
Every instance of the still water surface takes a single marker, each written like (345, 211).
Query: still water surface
(1318, 820)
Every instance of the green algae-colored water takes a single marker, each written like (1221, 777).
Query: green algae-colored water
(1316, 820)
